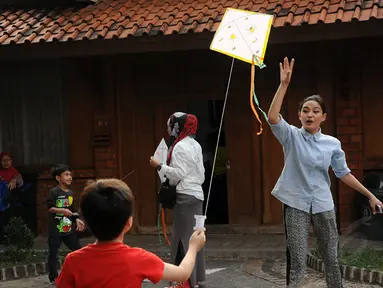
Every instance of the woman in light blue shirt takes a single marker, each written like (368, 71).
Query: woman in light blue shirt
(304, 184)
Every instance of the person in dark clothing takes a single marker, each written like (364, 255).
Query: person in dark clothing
(10, 182)
(62, 218)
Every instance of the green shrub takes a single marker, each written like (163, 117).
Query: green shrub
(19, 240)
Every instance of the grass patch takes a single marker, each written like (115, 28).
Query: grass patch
(369, 258)
(34, 257)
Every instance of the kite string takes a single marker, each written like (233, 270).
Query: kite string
(219, 135)
(243, 37)
(127, 175)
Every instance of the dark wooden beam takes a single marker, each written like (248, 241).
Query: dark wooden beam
(191, 41)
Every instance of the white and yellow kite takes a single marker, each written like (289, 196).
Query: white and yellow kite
(244, 35)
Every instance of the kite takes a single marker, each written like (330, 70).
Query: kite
(161, 155)
(244, 35)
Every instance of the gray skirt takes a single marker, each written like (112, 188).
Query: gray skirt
(183, 223)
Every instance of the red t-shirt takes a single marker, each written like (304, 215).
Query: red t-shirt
(109, 265)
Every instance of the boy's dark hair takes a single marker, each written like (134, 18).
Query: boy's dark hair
(106, 206)
(59, 169)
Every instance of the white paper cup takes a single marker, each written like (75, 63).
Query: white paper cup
(199, 222)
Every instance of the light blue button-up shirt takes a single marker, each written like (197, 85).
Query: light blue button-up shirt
(305, 182)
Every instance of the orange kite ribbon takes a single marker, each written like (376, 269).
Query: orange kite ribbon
(252, 79)
(164, 226)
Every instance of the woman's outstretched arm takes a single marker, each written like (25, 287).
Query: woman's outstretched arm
(354, 183)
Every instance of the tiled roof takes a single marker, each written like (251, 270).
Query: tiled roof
(109, 19)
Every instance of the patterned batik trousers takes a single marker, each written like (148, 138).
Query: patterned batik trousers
(297, 224)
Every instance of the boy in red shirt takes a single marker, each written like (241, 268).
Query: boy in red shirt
(107, 207)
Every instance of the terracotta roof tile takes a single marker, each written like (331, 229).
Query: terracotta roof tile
(111, 19)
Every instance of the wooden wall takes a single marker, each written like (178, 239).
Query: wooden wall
(149, 87)
(154, 85)
(159, 85)
(370, 75)
(83, 93)
(137, 93)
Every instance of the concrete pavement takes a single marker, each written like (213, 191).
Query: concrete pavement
(217, 245)
(242, 245)
(259, 258)
(260, 273)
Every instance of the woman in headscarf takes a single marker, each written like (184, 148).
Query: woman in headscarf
(10, 179)
(8, 173)
(184, 168)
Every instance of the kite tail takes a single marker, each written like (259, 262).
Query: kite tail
(252, 93)
(159, 226)
(164, 226)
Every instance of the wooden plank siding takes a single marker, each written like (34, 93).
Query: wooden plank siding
(138, 92)
(34, 125)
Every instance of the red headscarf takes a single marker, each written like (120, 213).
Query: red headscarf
(189, 128)
(9, 173)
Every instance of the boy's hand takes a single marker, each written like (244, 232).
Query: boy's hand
(197, 240)
(67, 212)
(80, 225)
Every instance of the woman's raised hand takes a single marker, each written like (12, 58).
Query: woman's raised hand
(286, 69)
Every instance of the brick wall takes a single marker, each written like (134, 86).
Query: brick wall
(105, 162)
(349, 132)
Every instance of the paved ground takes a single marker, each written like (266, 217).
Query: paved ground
(231, 275)
(250, 245)
(259, 273)
(217, 245)
(245, 271)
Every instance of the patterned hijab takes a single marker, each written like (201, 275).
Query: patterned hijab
(180, 126)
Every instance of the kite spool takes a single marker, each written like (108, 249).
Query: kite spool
(199, 222)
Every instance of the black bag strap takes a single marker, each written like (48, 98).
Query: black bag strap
(169, 181)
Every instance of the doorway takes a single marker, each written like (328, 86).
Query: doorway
(209, 114)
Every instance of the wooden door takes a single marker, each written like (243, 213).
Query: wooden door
(241, 196)
(151, 128)
(146, 202)
(272, 164)
(270, 159)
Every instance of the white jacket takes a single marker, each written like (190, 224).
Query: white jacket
(187, 167)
